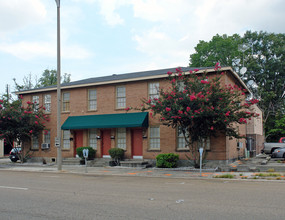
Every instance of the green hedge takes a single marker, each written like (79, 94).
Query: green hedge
(167, 160)
(117, 154)
(91, 152)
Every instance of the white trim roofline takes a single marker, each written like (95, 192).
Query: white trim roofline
(121, 78)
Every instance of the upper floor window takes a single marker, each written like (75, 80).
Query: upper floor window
(92, 99)
(153, 90)
(47, 103)
(121, 138)
(66, 139)
(93, 138)
(154, 135)
(36, 102)
(66, 102)
(121, 96)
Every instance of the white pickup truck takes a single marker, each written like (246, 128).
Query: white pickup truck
(270, 147)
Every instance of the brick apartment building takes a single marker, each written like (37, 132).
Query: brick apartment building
(93, 114)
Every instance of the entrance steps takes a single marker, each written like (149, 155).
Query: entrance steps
(99, 162)
(135, 163)
(71, 161)
(102, 162)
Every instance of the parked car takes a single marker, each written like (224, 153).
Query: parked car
(14, 154)
(278, 153)
(270, 147)
(282, 140)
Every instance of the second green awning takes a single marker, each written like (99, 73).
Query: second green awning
(124, 120)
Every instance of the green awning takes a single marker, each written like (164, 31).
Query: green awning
(124, 120)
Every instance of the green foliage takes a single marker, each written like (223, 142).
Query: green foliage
(167, 160)
(229, 176)
(48, 78)
(117, 154)
(264, 59)
(91, 152)
(200, 106)
(279, 128)
(20, 121)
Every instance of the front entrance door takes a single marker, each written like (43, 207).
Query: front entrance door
(78, 140)
(137, 143)
(106, 142)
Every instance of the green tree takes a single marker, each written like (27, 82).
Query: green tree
(264, 59)
(19, 123)
(200, 107)
(48, 78)
(223, 49)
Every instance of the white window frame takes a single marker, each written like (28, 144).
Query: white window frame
(120, 97)
(92, 100)
(154, 138)
(35, 143)
(208, 144)
(153, 90)
(121, 140)
(46, 139)
(92, 138)
(181, 142)
(66, 139)
(47, 103)
(36, 102)
(65, 101)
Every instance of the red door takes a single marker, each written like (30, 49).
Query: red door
(137, 143)
(78, 140)
(106, 142)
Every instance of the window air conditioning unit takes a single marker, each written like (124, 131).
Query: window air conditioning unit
(45, 146)
(239, 145)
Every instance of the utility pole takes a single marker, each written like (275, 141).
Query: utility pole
(58, 127)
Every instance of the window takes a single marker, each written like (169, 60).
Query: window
(92, 99)
(66, 139)
(65, 101)
(154, 138)
(207, 143)
(181, 142)
(35, 143)
(121, 138)
(47, 137)
(153, 90)
(93, 138)
(36, 103)
(121, 96)
(47, 103)
(180, 86)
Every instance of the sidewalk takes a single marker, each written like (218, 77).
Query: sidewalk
(184, 172)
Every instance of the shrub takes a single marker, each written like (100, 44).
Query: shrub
(167, 160)
(91, 152)
(117, 154)
(230, 176)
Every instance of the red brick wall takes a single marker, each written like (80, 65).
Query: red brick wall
(221, 148)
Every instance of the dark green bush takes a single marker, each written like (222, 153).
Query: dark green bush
(117, 154)
(167, 160)
(91, 152)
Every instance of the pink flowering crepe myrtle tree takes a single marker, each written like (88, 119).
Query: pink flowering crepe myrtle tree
(18, 123)
(201, 107)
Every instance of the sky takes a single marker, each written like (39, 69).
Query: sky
(105, 37)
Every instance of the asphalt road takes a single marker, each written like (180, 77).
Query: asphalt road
(27, 195)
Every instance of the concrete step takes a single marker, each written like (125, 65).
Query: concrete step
(71, 161)
(99, 162)
(135, 163)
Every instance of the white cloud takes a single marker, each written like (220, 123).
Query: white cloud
(16, 14)
(31, 50)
